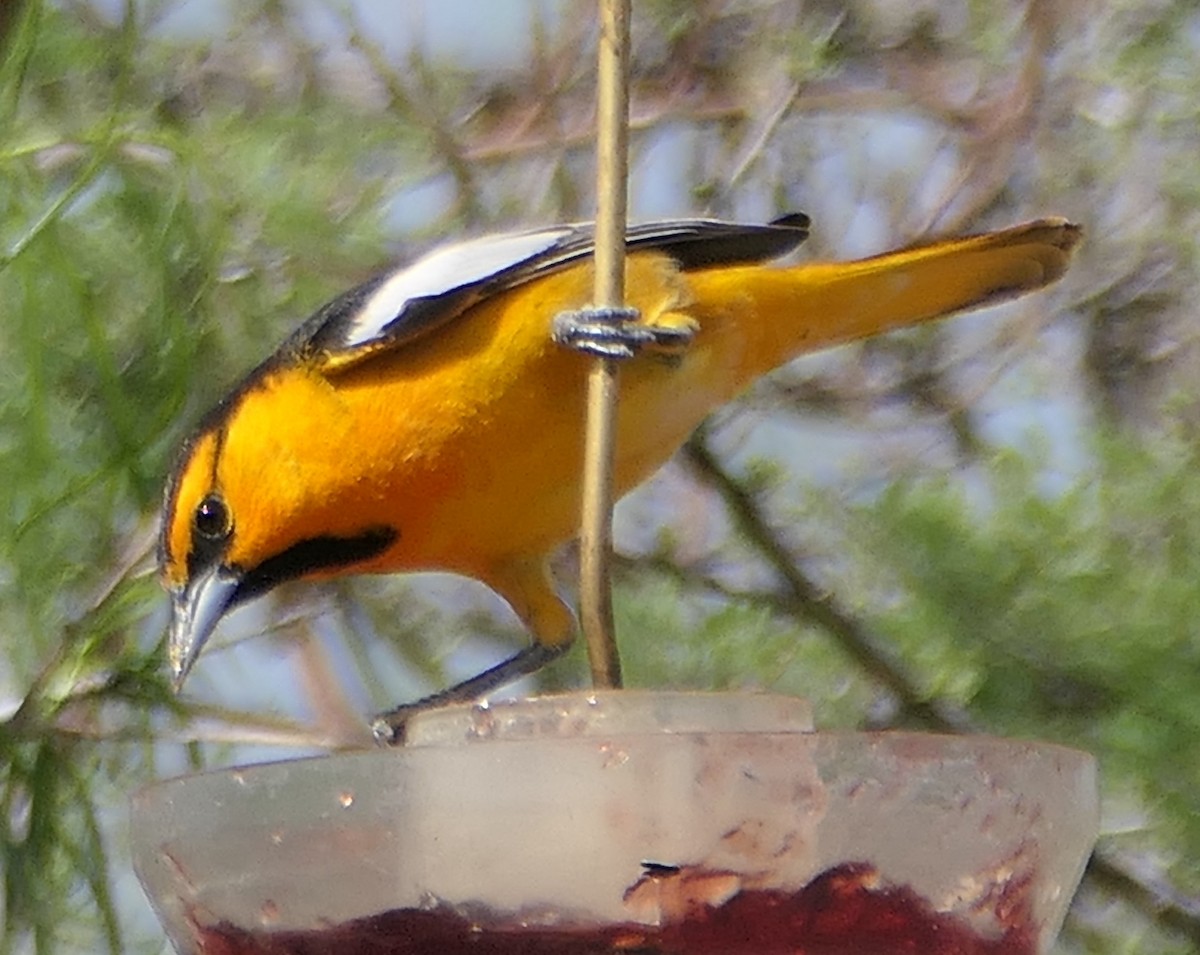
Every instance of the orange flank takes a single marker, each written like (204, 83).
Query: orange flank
(428, 421)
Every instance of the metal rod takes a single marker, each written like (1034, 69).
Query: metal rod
(612, 119)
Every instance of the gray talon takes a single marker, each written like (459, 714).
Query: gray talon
(614, 333)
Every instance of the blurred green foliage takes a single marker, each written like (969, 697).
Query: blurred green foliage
(1064, 614)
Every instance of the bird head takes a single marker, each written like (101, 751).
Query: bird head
(244, 512)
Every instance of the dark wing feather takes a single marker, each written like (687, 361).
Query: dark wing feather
(406, 303)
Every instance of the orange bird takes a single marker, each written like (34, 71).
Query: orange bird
(427, 419)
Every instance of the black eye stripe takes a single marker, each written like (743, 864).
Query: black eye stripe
(316, 553)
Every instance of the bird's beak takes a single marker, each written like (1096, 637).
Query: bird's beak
(196, 609)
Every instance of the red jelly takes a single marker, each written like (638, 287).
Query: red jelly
(846, 910)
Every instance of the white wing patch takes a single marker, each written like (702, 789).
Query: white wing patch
(442, 271)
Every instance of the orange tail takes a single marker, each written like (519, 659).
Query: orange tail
(779, 313)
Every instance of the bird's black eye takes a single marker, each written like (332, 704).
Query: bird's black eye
(211, 520)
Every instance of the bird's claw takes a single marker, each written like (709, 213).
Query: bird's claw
(616, 332)
(390, 728)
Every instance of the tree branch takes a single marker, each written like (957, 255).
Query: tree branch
(809, 603)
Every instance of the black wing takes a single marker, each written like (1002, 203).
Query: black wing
(409, 301)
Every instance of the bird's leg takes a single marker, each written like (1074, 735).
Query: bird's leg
(388, 728)
(616, 332)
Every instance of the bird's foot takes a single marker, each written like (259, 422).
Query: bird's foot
(616, 332)
(390, 728)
